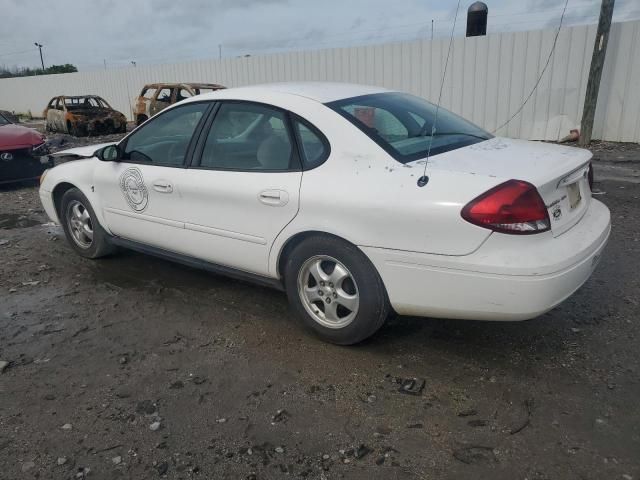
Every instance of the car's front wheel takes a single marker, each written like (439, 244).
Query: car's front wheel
(81, 227)
(335, 289)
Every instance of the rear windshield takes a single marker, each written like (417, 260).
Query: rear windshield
(402, 124)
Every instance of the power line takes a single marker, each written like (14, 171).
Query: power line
(15, 53)
(553, 48)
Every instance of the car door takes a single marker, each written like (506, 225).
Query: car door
(56, 115)
(141, 194)
(162, 99)
(48, 113)
(243, 186)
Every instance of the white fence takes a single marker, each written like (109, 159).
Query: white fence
(488, 78)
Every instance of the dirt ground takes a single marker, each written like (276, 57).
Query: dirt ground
(134, 367)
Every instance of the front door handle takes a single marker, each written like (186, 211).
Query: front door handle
(274, 198)
(162, 186)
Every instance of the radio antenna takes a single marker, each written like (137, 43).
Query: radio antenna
(422, 181)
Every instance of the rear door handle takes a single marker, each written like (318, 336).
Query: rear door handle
(275, 198)
(162, 186)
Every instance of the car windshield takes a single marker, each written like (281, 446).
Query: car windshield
(402, 124)
(84, 102)
(4, 121)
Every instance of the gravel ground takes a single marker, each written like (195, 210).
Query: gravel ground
(134, 367)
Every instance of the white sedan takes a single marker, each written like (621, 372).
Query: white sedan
(325, 191)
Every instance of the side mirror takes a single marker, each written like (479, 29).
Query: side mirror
(110, 153)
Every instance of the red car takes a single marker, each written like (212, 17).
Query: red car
(22, 153)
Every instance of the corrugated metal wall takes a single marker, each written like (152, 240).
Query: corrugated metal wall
(488, 78)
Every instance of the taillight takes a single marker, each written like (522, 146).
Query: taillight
(511, 207)
(590, 176)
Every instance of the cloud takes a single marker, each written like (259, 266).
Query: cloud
(85, 32)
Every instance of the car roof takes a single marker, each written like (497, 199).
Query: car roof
(322, 92)
(79, 96)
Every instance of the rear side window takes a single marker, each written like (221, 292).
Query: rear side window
(183, 93)
(315, 148)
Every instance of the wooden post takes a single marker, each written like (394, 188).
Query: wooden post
(595, 72)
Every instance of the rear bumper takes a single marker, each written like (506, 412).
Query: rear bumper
(507, 278)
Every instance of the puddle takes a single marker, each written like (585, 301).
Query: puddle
(10, 221)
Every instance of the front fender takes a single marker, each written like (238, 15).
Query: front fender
(75, 173)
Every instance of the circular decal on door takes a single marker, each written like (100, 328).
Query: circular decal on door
(135, 192)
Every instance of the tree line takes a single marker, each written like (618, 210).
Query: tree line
(10, 72)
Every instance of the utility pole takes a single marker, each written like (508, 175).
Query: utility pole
(105, 63)
(595, 72)
(432, 29)
(220, 52)
(39, 45)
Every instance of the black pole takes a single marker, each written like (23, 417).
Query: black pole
(595, 72)
(41, 59)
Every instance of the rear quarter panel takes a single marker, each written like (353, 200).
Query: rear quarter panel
(363, 195)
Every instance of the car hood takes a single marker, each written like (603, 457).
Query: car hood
(81, 152)
(95, 112)
(13, 137)
(506, 158)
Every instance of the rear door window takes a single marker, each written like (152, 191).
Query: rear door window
(250, 137)
(164, 95)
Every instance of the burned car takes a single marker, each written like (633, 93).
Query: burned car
(22, 152)
(83, 115)
(155, 97)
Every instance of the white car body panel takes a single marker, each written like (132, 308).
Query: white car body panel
(499, 281)
(81, 152)
(432, 261)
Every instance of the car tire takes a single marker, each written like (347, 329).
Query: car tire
(349, 303)
(81, 226)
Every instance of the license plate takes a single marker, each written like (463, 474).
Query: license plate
(573, 191)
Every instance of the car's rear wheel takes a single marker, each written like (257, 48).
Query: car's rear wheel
(335, 289)
(84, 233)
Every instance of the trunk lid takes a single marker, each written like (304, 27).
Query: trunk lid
(558, 172)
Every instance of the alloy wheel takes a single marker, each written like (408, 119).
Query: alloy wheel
(79, 223)
(328, 291)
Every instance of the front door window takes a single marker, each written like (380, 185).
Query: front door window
(165, 139)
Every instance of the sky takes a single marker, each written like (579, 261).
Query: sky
(93, 33)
